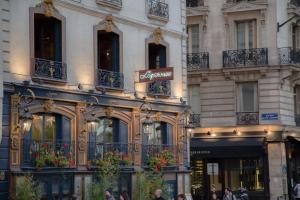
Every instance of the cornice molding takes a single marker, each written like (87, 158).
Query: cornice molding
(244, 6)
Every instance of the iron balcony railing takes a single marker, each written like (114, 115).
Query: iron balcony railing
(289, 55)
(194, 3)
(158, 9)
(295, 3)
(48, 154)
(195, 120)
(110, 79)
(121, 151)
(247, 118)
(245, 58)
(297, 119)
(197, 61)
(151, 152)
(117, 3)
(160, 88)
(49, 69)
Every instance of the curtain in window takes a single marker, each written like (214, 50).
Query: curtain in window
(115, 53)
(246, 34)
(247, 97)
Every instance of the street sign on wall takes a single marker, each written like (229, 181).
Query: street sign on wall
(269, 116)
(151, 75)
(212, 169)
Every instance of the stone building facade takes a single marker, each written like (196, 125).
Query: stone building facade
(243, 76)
(71, 64)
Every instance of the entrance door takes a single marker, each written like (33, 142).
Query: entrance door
(215, 177)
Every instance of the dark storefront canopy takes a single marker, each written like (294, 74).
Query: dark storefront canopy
(227, 147)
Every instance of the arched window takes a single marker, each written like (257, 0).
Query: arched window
(110, 136)
(159, 134)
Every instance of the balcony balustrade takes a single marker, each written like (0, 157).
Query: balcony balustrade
(121, 151)
(289, 55)
(160, 88)
(194, 3)
(247, 118)
(197, 61)
(245, 58)
(167, 154)
(48, 154)
(159, 9)
(195, 120)
(111, 3)
(49, 70)
(110, 79)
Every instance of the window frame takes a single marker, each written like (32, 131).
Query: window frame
(246, 24)
(239, 100)
(190, 40)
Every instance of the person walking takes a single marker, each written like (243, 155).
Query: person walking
(124, 196)
(297, 191)
(227, 194)
(158, 194)
(108, 194)
(213, 195)
(181, 197)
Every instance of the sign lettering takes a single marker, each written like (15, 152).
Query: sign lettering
(151, 75)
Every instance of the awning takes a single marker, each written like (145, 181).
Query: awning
(226, 147)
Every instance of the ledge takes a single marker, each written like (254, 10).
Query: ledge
(110, 4)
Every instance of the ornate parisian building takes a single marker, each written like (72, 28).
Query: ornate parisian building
(243, 82)
(71, 89)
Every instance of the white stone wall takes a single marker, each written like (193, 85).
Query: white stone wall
(132, 20)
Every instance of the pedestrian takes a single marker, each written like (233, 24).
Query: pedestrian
(108, 194)
(158, 194)
(233, 197)
(227, 194)
(124, 196)
(181, 197)
(213, 195)
(297, 191)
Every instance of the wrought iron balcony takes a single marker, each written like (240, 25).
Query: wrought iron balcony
(245, 58)
(110, 79)
(195, 120)
(289, 55)
(158, 9)
(111, 3)
(247, 118)
(194, 3)
(295, 3)
(49, 70)
(161, 152)
(48, 154)
(124, 152)
(159, 88)
(297, 119)
(197, 61)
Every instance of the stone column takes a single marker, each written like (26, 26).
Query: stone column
(277, 170)
(82, 136)
(15, 134)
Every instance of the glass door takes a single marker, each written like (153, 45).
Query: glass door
(215, 177)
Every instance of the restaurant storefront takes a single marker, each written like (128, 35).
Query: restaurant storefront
(229, 162)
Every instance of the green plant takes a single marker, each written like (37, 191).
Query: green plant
(27, 188)
(163, 159)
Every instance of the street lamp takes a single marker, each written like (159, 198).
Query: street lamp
(147, 124)
(92, 123)
(26, 118)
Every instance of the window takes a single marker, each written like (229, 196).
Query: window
(157, 56)
(111, 130)
(108, 51)
(47, 38)
(193, 42)
(50, 128)
(161, 133)
(246, 34)
(247, 97)
(194, 97)
(194, 3)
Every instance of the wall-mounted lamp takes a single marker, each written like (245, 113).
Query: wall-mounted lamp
(91, 120)
(266, 131)
(26, 117)
(236, 132)
(148, 123)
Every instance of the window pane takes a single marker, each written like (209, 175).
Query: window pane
(105, 131)
(37, 127)
(241, 35)
(194, 29)
(247, 97)
(251, 33)
(49, 129)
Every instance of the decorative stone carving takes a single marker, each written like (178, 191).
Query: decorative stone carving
(49, 8)
(48, 105)
(15, 142)
(81, 144)
(157, 34)
(108, 111)
(157, 116)
(109, 23)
